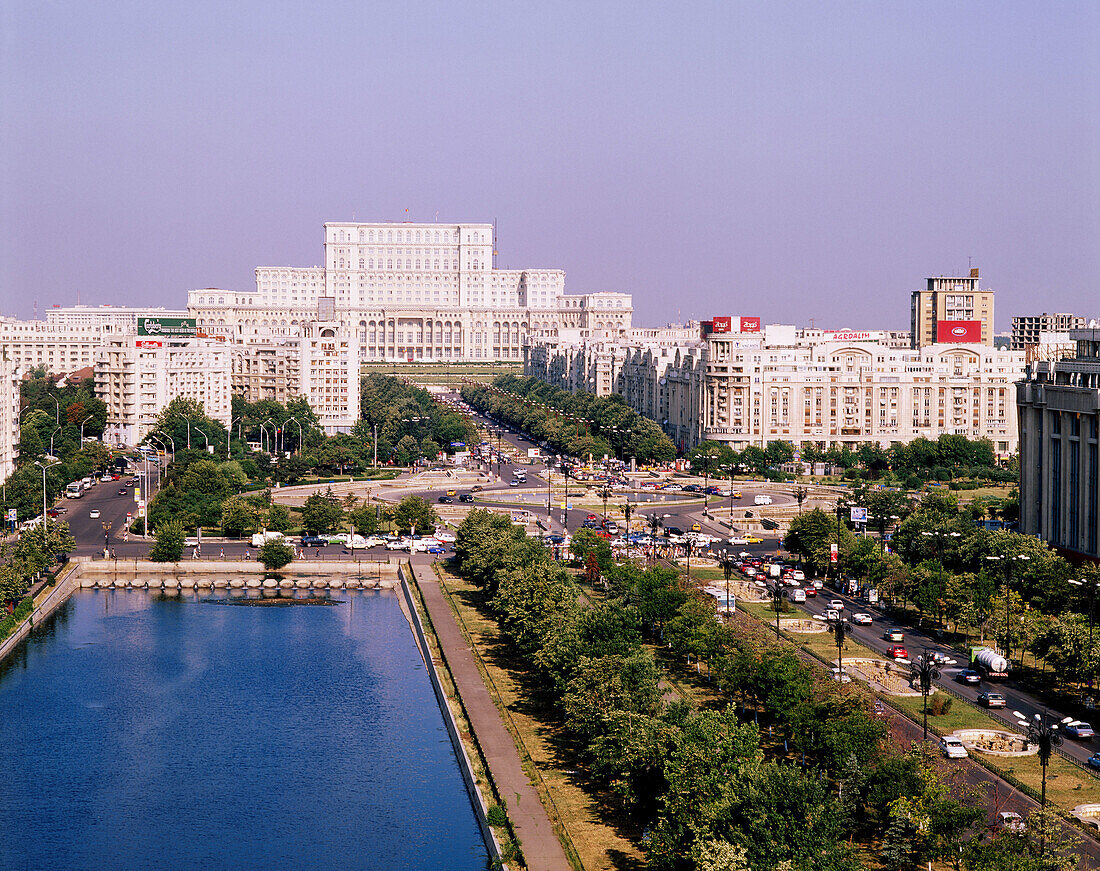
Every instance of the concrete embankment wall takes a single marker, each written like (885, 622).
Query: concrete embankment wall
(46, 603)
(301, 574)
(476, 798)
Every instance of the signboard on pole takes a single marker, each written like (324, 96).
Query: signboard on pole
(859, 515)
(834, 555)
(173, 328)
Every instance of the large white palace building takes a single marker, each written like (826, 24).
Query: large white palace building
(411, 292)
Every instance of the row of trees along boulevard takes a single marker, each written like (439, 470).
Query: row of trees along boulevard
(946, 572)
(573, 424)
(793, 772)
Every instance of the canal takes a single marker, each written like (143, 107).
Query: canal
(144, 731)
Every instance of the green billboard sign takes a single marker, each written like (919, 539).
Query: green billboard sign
(166, 327)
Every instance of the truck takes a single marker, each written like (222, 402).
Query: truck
(259, 539)
(762, 499)
(989, 661)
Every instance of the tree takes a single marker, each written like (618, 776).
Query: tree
(278, 518)
(275, 553)
(168, 547)
(413, 512)
(239, 517)
(321, 512)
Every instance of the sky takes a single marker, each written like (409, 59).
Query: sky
(804, 162)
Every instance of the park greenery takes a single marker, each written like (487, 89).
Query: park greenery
(575, 424)
(790, 771)
(275, 554)
(37, 549)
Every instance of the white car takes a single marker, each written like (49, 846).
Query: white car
(862, 619)
(446, 537)
(953, 748)
(799, 575)
(737, 540)
(830, 614)
(94, 513)
(817, 584)
(397, 544)
(836, 605)
(843, 677)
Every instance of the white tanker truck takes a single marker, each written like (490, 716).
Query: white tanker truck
(989, 661)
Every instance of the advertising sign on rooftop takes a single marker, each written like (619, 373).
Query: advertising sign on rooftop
(722, 324)
(171, 328)
(750, 325)
(958, 331)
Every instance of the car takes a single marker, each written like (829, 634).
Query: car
(969, 676)
(693, 488)
(337, 538)
(446, 500)
(836, 604)
(798, 575)
(898, 652)
(695, 527)
(862, 619)
(436, 547)
(94, 513)
(1011, 820)
(591, 517)
(992, 700)
(736, 494)
(752, 539)
(446, 536)
(1093, 761)
(397, 544)
(952, 747)
(308, 540)
(818, 584)
(1078, 729)
(841, 676)
(466, 497)
(122, 491)
(131, 482)
(672, 488)
(738, 540)
(513, 483)
(57, 511)
(831, 615)
(893, 635)
(811, 590)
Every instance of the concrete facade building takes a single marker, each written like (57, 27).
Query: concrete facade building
(1028, 329)
(777, 384)
(951, 309)
(1059, 421)
(136, 378)
(9, 415)
(412, 292)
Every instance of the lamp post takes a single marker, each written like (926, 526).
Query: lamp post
(206, 438)
(89, 417)
(229, 433)
(106, 537)
(1042, 730)
(841, 631)
(43, 468)
(52, 434)
(777, 603)
(841, 504)
(727, 571)
(925, 670)
(654, 528)
(300, 431)
(56, 411)
(706, 459)
(1008, 562)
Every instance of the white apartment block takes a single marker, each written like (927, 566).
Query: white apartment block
(412, 292)
(750, 389)
(67, 340)
(137, 377)
(9, 415)
(330, 374)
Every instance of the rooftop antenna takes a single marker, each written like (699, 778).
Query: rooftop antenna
(494, 243)
(437, 216)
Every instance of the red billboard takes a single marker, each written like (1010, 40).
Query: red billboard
(148, 343)
(958, 331)
(722, 325)
(750, 325)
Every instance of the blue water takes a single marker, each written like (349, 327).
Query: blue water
(139, 732)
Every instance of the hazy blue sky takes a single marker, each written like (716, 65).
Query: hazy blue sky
(792, 160)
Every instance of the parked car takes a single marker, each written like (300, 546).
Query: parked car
(436, 547)
(309, 540)
(952, 747)
(1078, 729)
(862, 619)
(1093, 761)
(893, 635)
(969, 676)
(898, 652)
(992, 700)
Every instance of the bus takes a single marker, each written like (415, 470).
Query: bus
(74, 490)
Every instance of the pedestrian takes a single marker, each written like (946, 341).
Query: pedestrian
(247, 553)
(194, 553)
(113, 554)
(221, 554)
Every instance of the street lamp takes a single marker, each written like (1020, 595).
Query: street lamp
(1042, 731)
(288, 420)
(206, 438)
(925, 670)
(1008, 562)
(777, 603)
(727, 571)
(89, 417)
(229, 433)
(106, 524)
(43, 468)
(841, 631)
(52, 434)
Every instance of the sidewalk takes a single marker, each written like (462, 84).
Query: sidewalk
(541, 848)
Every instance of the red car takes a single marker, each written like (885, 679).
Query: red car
(810, 591)
(590, 517)
(898, 652)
